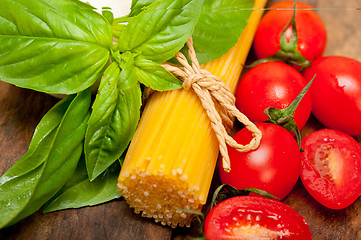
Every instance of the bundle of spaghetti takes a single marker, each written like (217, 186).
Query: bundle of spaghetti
(172, 157)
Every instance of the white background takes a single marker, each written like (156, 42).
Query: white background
(119, 7)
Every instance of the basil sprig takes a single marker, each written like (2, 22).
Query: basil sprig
(116, 112)
(65, 47)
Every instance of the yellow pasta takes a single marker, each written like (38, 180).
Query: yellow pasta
(171, 160)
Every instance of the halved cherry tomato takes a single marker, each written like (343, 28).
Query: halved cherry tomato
(253, 217)
(331, 167)
(311, 31)
(336, 93)
(273, 167)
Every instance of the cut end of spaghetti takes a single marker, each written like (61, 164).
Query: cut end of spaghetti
(161, 196)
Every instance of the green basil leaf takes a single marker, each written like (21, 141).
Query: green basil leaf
(42, 136)
(161, 29)
(113, 121)
(18, 182)
(219, 27)
(54, 46)
(155, 76)
(80, 192)
(108, 14)
(117, 29)
(138, 6)
(127, 78)
(51, 159)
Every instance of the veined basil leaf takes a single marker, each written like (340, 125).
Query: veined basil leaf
(219, 27)
(54, 46)
(113, 121)
(51, 159)
(155, 76)
(161, 29)
(80, 192)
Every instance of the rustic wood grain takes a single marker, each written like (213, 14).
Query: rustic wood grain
(113, 220)
(21, 110)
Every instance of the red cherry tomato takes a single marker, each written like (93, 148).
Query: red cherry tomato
(311, 31)
(252, 217)
(331, 167)
(336, 93)
(272, 84)
(273, 167)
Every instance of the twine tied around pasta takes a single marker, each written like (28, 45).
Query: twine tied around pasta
(218, 101)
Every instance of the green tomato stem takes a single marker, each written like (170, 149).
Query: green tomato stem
(288, 52)
(285, 117)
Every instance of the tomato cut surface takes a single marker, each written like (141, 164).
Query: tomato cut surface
(273, 167)
(253, 217)
(331, 167)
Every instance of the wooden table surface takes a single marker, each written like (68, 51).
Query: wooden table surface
(21, 109)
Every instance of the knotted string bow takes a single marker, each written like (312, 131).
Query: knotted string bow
(218, 101)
